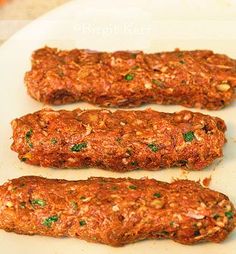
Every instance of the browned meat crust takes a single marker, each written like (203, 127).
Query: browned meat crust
(116, 211)
(197, 78)
(118, 141)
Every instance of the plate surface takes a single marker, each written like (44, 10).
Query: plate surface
(116, 25)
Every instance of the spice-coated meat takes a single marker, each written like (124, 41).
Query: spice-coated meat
(118, 141)
(116, 211)
(197, 78)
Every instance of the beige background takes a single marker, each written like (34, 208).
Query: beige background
(17, 13)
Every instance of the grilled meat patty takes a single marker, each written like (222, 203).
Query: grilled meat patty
(115, 211)
(199, 78)
(118, 141)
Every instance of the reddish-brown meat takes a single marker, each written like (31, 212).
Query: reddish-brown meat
(197, 78)
(118, 141)
(116, 211)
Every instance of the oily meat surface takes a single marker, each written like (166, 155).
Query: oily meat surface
(118, 141)
(197, 78)
(115, 211)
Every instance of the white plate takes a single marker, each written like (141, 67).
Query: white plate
(116, 25)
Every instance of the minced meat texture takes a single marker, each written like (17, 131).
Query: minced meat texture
(119, 141)
(199, 78)
(116, 211)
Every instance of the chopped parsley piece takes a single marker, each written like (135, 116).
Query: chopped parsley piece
(229, 215)
(133, 55)
(196, 233)
(23, 159)
(182, 162)
(119, 140)
(165, 232)
(172, 223)
(157, 195)
(180, 54)
(82, 223)
(135, 67)
(129, 77)
(182, 62)
(189, 136)
(39, 202)
(22, 204)
(74, 205)
(28, 136)
(157, 82)
(134, 163)
(48, 222)
(78, 147)
(53, 141)
(82, 197)
(114, 188)
(216, 216)
(132, 187)
(153, 147)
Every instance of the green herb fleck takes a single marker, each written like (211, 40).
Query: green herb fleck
(23, 159)
(114, 188)
(129, 77)
(188, 136)
(157, 195)
(229, 215)
(157, 82)
(82, 197)
(196, 233)
(180, 54)
(182, 162)
(135, 67)
(133, 55)
(153, 147)
(39, 202)
(28, 135)
(216, 216)
(172, 223)
(78, 147)
(48, 222)
(22, 204)
(132, 187)
(82, 223)
(181, 62)
(134, 163)
(165, 232)
(119, 140)
(53, 141)
(74, 205)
